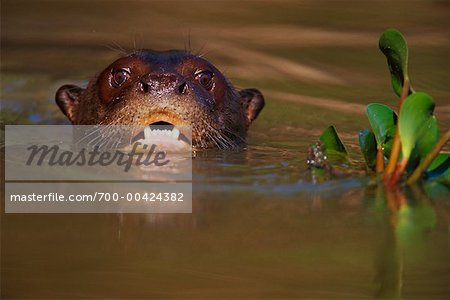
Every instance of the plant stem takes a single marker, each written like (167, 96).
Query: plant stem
(428, 159)
(396, 176)
(379, 167)
(393, 157)
(396, 144)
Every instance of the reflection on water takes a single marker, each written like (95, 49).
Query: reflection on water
(335, 246)
(261, 227)
(409, 221)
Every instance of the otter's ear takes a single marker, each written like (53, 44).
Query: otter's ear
(252, 102)
(67, 99)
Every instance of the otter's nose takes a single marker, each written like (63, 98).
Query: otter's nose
(163, 84)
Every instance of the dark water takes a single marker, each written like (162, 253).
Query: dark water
(261, 226)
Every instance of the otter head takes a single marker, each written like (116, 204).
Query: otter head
(165, 88)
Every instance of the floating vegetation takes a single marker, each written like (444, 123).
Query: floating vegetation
(404, 147)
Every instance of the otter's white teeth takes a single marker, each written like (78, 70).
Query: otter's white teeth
(148, 132)
(175, 133)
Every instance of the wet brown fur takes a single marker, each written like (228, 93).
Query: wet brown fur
(219, 117)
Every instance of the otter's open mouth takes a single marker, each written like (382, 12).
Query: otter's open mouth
(161, 133)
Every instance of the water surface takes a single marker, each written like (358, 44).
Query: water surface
(262, 226)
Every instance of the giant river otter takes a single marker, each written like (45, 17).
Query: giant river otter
(171, 88)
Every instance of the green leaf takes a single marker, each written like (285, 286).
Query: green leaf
(429, 137)
(368, 145)
(440, 167)
(334, 148)
(383, 121)
(394, 47)
(441, 159)
(417, 125)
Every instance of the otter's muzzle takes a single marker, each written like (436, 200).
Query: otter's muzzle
(162, 84)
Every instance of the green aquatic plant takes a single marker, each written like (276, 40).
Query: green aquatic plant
(368, 145)
(335, 149)
(408, 141)
(383, 121)
(394, 47)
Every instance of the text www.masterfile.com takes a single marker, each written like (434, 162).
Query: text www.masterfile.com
(99, 197)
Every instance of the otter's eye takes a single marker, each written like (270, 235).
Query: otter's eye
(205, 78)
(118, 77)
